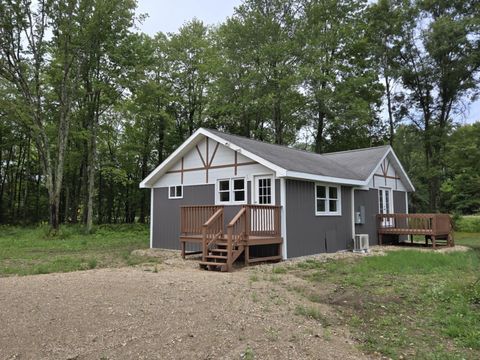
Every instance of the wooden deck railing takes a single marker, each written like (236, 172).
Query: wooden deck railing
(212, 230)
(264, 220)
(432, 225)
(192, 218)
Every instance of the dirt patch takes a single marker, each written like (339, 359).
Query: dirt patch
(171, 310)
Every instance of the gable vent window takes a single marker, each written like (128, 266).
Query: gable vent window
(175, 192)
(327, 200)
(231, 191)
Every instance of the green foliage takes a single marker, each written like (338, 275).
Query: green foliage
(469, 224)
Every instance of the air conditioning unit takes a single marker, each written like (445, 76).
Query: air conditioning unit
(360, 243)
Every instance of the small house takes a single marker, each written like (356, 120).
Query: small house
(229, 197)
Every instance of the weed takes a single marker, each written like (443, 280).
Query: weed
(248, 353)
(272, 333)
(279, 270)
(253, 278)
(92, 263)
(254, 297)
(311, 312)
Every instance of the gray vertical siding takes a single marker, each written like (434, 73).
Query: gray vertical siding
(166, 212)
(311, 234)
(399, 204)
(368, 199)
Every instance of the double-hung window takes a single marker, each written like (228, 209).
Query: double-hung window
(175, 192)
(231, 191)
(327, 200)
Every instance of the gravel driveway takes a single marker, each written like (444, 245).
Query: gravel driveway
(179, 312)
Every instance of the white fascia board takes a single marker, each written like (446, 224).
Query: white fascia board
(278, 170)
(176, 155)
(412, 188)
(326, 179)
(167, 162)
(398, 163)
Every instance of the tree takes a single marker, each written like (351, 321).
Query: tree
(189, 54)
(439, 61)
(260, 47)
(339, 76)
(460, 192)
(44, 72)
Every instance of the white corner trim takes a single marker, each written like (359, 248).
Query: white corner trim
(406, 202)
(283, 216)
(151, 217)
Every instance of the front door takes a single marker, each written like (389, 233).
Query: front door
(385, 205)
(263, 190)
(263, 218)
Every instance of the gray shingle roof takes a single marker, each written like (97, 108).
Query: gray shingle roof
(353, 164)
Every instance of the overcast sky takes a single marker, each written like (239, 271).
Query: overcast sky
(169, 15)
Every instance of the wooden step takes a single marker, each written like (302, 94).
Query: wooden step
(219, 250)
(210, 265)
(217, 257)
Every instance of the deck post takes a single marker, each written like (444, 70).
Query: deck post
(247, 255)
(182, 247)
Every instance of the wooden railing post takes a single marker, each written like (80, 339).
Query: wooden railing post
(229, 247)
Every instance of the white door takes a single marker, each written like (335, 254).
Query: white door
(385, 204)
(262, 218)
(263, 190)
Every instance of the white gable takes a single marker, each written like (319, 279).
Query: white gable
(222, 162)
(387, 175)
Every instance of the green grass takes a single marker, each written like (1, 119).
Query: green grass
(406, 304)
(26, 251)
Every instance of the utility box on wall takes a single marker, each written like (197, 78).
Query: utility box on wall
(360, 215)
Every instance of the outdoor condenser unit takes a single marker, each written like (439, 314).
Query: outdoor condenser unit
(360, 243)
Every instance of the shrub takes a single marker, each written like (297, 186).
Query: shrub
(469, 223)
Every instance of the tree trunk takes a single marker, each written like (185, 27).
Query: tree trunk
(388, 93)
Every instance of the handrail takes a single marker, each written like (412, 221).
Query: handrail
(236, 217)
(236, 230)
(212, 229)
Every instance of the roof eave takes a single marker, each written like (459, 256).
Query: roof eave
(322, 178)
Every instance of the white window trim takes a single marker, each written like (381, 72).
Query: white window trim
(175, 197)
(327, 199)
(231, 191)
(255, 189)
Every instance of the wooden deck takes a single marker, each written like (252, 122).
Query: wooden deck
(433, 226)
(253, 225)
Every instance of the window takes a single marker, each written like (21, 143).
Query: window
(263, 190)
(175, 192)
(224, 190)
(231, 191)
(327, 200)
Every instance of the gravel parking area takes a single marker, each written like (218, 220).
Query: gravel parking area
(173, 311)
